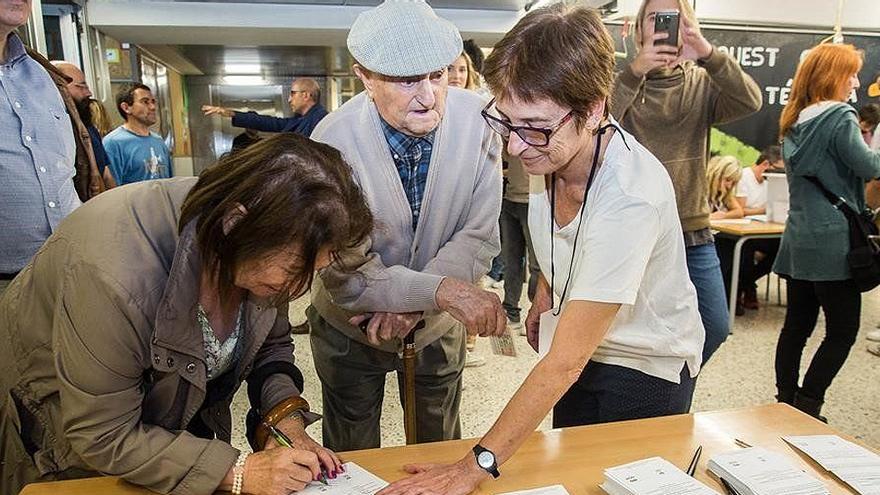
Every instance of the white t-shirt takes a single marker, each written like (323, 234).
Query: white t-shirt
(631, 251)
(749, 188)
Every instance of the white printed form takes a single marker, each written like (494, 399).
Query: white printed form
(653, 476)
(354, 481)
(544, 490)
(765, 472)
(855, 465)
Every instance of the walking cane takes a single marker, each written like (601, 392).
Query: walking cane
(409, 380)
(409, 384)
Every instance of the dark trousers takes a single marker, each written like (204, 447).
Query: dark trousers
(749, 270)
(606, 393)
(841, 302)
(516, 249)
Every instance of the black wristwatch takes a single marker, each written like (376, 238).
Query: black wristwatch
(486, 460)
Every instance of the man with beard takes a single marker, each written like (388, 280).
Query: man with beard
(137, 153)
(82, 96)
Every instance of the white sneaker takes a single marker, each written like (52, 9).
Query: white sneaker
(472, 360)
(516, 327)
(873, 335)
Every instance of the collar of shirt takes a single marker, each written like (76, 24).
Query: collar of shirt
(15, 49)
(401, 144)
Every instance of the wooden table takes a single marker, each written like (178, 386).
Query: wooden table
(743, 233)
(576, 457)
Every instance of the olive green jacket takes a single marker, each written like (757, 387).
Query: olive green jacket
(102, 364)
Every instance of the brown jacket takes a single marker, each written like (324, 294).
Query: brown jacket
(102, 364)
(87, 181)
(671, 113)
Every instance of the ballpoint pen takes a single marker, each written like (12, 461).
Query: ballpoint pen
(283, 440)
(692, 467)
(741, 443)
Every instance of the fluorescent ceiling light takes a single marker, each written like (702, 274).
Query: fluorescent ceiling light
(241, 68)
(244, 80)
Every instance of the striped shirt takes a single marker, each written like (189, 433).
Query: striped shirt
(37, 154)
(412, 157)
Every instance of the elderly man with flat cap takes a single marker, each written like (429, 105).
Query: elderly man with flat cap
(430, 170)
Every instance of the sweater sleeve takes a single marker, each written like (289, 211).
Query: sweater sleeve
(265, 123)
(626, 89)
(98, 363)
(736, 94)
(852, 150)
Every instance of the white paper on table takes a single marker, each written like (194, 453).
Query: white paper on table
(732, 221)
(833, 452)
(763, 471)
(758, 218)
(655, 476)
(546, 331)
(863, 479)
(354, 481)
(544, 490)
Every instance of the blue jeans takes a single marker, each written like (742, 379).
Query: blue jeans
(705, 272)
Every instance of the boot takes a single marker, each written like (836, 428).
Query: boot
(810, 406)
(785, 396)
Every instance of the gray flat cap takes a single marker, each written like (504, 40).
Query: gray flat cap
(403, 38)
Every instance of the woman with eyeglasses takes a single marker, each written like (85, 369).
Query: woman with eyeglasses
(615, 311)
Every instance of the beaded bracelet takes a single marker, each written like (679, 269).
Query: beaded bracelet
(238, 473)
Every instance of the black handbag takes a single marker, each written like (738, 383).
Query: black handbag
(864, 255)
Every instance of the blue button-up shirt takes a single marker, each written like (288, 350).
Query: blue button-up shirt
(412, 157)
(37, 154)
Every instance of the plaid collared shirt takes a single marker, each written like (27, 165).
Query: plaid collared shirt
(412, 156)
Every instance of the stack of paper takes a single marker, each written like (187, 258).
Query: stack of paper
(856, 466)
(544, 490)
(654, 476)
(760, 472)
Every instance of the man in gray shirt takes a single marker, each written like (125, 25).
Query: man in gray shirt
(37, 151)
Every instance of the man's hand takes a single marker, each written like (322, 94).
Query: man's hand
(541, 303)
(295, 430)
(653, 56)
(212, 110)
(387, 326)
(693, 45)
(479, 310)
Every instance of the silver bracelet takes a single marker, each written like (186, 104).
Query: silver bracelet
(238, 473)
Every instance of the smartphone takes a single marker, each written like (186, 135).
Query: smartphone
(666, 22)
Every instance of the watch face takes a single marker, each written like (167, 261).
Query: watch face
(485, 460)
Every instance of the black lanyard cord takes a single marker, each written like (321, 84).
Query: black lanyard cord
(577, 235)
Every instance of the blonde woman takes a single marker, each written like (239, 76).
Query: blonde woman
(722, 176)
(462, 73)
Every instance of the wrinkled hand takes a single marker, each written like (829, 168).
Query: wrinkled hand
(542, 302)
(460, 478)
(693, 45)
(279, 471)
(293, 427)
(479, 310)
(387, 326)
(212, 110)
(653, 56)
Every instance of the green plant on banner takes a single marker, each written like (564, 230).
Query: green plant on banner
(721, 143)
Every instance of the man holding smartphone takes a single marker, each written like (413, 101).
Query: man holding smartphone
(668, 97)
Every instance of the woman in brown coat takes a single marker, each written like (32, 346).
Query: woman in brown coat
(124, 340)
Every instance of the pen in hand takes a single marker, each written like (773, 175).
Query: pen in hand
(285, 441)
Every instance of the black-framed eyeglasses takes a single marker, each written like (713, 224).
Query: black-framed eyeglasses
(533, 136)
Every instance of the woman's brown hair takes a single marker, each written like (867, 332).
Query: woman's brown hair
(821, 76)
(294, 191)
(560, 52)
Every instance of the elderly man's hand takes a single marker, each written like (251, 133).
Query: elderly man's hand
(212, 110)
(479, 310)
(387, 326)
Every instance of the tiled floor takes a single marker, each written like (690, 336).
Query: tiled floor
(740, 374)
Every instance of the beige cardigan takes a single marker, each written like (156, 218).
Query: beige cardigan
(457, 235)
